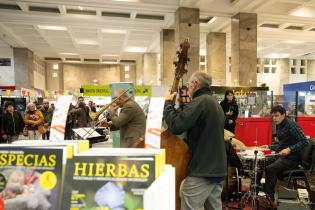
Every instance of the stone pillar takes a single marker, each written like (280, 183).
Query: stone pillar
(216, 58)
(284, 73)
(54, 77)
(168, 52)
(23, 68)
(310, 70)
(150, 68)
(244, 49)
(187, 26)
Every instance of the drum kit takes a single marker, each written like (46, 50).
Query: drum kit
(254, 160)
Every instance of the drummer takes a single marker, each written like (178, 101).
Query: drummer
(291, 142)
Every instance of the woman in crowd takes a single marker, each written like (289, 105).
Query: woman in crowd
(230, 110)
(12, 123)
(34, 120)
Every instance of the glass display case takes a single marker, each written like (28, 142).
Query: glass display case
(252, 101)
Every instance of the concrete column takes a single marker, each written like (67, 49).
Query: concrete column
(150, 68)
(187, 26)
(244, 49)
(284, 73)
(216, 58)
(167, 50)
(54, 77)
(23, 68)
(310, 70)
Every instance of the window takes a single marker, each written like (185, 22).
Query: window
(5, 62)
(298, 66)
(270, 66)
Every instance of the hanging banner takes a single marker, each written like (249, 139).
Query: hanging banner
(154, 123)
(96, 90)
(58, 124)
(143, 90)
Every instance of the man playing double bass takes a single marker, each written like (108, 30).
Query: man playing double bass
(203, 119)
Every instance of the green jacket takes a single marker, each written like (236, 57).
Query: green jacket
(203, 119)
(48, 114)
(131, 122)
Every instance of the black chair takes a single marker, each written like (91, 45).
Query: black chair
(305, 168)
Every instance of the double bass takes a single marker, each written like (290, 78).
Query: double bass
(176, 149)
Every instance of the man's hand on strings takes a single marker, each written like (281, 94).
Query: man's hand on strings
(169, 96)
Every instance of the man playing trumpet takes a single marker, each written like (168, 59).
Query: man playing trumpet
(131, 120)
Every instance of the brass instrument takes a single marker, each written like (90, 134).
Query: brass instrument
(95, 115)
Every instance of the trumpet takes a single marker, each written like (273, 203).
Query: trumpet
(94, 116)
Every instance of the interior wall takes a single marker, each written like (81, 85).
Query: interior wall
(76, 75)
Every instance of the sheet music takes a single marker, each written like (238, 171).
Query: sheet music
(87, 132)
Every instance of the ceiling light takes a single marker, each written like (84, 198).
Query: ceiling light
(294, 42)
(127, 0)
(202, 52)
(114, 31)
(127, 76)
(211, 20)
(86, 41)
(135, 49)
(55, 74)
(68, 54)
(56, 28)
(80, 8)
(303, 12)
(127, 68)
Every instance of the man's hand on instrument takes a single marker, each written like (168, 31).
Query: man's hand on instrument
(169, 96)
(285, 152)
(105, 123)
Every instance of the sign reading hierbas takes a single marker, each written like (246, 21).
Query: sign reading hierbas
(96, 90)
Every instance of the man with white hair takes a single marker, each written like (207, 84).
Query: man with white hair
(131, 120)
(203, 119)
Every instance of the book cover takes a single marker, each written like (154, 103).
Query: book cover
(31, 178)
(111, 182)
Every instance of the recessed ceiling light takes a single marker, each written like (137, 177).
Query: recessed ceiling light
(56, 28)
(135, 49)
(114, 31)
(294, 42)
(86, 41)
(55, 66)
(303, 12)
(127, 0)
(211, 20)
(80, 8)
(68, 54)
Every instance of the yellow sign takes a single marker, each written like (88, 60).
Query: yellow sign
(143, 90)
(96, 90)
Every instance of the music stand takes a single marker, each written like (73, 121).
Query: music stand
(86, 133)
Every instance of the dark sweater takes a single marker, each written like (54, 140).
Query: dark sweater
(290, 135)
(203, 119)
(13, 124)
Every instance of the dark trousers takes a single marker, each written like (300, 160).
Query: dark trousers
(274, 170)
(46, 135)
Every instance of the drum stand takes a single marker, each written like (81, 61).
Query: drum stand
(251, 193)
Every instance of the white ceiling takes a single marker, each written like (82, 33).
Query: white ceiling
(100, 35)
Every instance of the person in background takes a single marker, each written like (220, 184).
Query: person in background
(33, 119)
(86, 109)
(13, 123)
(230, 110)
(131, 120)
(47, 113)
(91, 106)
(52, 106)
(1, 124)
(291, 142)
(203, 119)
(79, 113)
